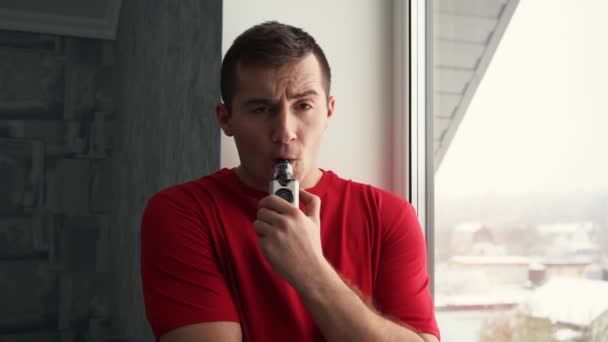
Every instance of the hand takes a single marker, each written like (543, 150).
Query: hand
(290, 239)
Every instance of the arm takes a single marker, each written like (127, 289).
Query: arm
(185, 294)
(342, 314)
(290, 241)
(209, 331)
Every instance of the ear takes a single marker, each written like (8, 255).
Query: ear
(223, 118)
(331, 105)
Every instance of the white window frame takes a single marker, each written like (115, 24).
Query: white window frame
(413, 128)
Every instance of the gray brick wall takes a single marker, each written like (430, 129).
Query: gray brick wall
(89, 130)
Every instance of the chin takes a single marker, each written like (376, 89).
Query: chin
(301, 174)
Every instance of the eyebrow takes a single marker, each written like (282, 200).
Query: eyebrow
(268, 101)
(304, 94)
(259, 102)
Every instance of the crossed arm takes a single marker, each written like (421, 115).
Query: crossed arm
(340, 313)
(289, 237)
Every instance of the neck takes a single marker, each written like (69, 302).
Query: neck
(262, 185)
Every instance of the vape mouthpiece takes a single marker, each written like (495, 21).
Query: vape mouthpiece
(283, 169)
(284, 184)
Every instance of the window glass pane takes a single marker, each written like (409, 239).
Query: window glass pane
(521, 169)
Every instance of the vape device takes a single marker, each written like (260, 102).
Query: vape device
(283, 184)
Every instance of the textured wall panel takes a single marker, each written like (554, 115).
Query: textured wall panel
(168, 57)
(30, 82)
(29, 294)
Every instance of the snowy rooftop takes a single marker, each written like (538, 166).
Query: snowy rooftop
(468, 227)
(564, 228)
(489, 260)
(516, 260)
(567, 335)
(504, 295)
(569, 300)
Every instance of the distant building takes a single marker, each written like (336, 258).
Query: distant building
(519, 270)
(473, 239)
(569, 239)
(574, 267)
(575, 307)
(504, 270)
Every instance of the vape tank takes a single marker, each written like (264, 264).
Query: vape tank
(283, 184)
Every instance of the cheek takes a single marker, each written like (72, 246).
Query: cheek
(246, 140)
(247, 131)
(314, 131)
(250, 142)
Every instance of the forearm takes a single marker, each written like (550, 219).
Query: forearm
(343, 316)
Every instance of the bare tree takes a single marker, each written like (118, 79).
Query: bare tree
(515, 327)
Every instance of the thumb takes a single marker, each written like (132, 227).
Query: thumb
(312, 203)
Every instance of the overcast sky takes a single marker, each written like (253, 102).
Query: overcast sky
(539, 119)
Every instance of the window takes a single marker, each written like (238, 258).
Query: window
(509, 172)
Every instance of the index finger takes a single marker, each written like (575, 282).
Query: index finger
(276, 203)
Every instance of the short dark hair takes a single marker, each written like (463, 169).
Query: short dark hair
(269, 44)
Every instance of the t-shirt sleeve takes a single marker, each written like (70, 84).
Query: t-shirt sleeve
(181, 280)
(402, 283)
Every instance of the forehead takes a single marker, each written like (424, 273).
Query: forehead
(271, 82)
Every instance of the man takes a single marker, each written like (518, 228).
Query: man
(224, 261)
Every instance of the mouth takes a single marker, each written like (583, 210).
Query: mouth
(290, 159)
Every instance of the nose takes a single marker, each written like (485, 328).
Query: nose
(284, 126)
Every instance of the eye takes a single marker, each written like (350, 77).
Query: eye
(261, 109)
(304, 106)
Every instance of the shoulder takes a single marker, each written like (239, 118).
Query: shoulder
(382, 206)
(187, 206)
(372, 195)
(171, 201)
(190, 193)
(178, 215)
(393, 210)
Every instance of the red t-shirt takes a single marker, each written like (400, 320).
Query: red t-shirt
(200, 259)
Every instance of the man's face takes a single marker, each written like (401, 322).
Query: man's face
(278, 113)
